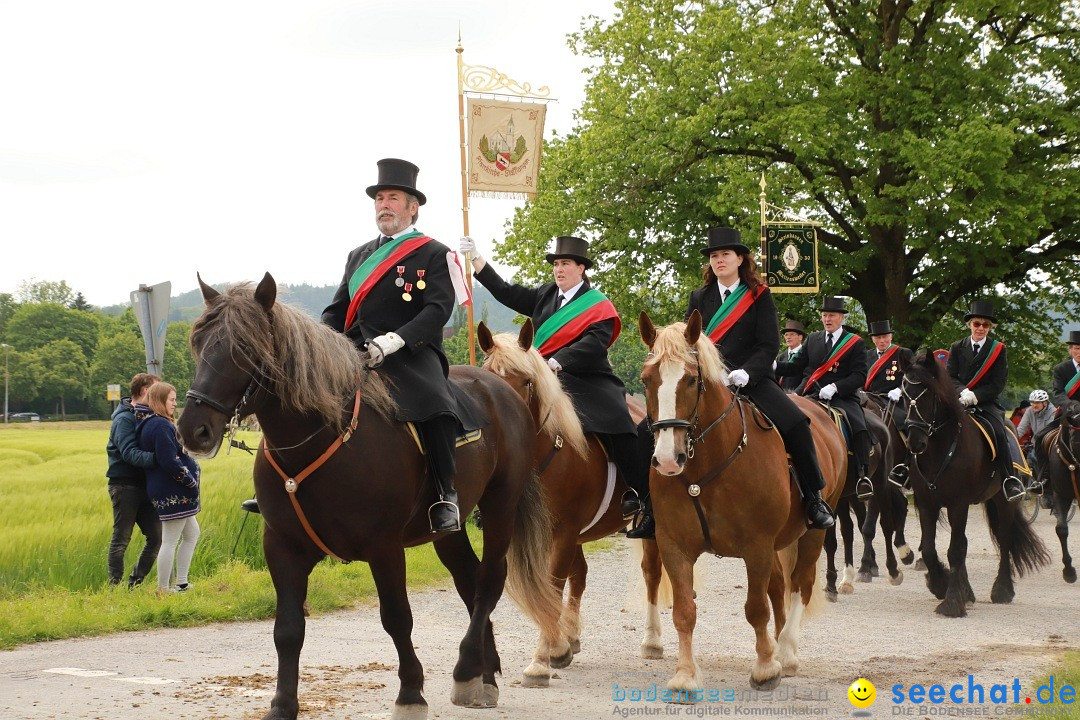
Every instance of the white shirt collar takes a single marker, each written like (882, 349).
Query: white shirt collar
(835, 335)
(722, 287)
(411, 228)
(569, 294)
(792, 351)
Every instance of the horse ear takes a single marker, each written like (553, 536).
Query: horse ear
(483, 336)
(927, 359)
(208, 293)
(646, 329)
(693, 328)
(526, 335)
(905, 363)
(266, 292)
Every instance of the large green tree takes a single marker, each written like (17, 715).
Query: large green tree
(65, 373)
(936, 140)
(34, 325)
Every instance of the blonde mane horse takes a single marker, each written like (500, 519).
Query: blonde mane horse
(712, 458)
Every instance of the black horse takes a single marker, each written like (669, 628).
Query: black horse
(888, 506)
(1063, 453)
(952, 469)
(338, 475)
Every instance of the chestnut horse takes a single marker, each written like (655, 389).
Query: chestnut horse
(1063, 453)
(721, 484)
(365, 486)
(952, 469)
(581, 494)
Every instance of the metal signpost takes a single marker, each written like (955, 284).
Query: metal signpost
(151, 304)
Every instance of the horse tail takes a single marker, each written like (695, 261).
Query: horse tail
(1012, 534)
(528, 581)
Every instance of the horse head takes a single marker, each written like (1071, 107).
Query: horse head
(516, 361)
(929, 398)
(680, 364)
(226, 373)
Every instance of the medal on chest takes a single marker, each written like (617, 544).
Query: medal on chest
(420, 283)
(407, 295)
(399, 280)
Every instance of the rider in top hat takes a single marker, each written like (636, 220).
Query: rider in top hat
(833, 367)
(394, 299)
(1066, 388)
(794, 334)
(739, 316)
(883, 379)
(979, 368)
(575, 325)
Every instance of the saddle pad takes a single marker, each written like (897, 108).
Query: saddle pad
(987, 433)
(463, 439)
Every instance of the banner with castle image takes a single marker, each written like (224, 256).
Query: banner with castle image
(505, 141)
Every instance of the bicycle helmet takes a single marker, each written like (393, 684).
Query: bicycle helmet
(1039, 396)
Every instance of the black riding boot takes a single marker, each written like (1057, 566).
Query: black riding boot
(645, 529)
(800, 443)
(252, 506)
(437, 436)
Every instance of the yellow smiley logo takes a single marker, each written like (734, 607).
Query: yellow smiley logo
(862, 693)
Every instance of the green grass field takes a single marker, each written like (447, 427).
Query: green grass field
(57, 520)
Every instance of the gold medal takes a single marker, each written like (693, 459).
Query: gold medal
(420, 284)
(406, 296)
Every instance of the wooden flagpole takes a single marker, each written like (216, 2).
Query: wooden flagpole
(465, 190)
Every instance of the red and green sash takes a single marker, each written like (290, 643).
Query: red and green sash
(879, 364)
(377, 264)
(731, 310)
(843, 346)
(1073, 386)
(991, 357)
(571, 320)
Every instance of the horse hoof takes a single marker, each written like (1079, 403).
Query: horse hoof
(536, 676)
(846, 588)
(896, 579)
(564, 660)
(920, 565)
(874, 571)
(765, 685)
(864, 576)
(906, 556)
(830, 595)
(1069, 574)
(575, 646)
(652, 652)
(952, 609)
(410, 712)
(489, 697)
(1001, 594)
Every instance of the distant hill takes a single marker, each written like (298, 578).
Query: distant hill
(312, 299)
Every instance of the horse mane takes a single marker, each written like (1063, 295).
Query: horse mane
(671, 345)
(507, 358)
(936, 377)
(309, 366)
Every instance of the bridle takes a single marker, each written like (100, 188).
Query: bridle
(916, 420)
(235, 412)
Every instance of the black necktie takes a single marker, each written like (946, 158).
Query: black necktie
(383, 239)
(880, 353)
(562, 301)
(828, 344)
(727, 294)
(976, 347)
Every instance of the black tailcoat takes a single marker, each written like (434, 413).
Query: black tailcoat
(890, 375)
(1063, 373)
(963, 365)
(848, 374)
(599, 395)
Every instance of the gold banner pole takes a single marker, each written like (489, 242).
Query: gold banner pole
(764, 258)
(465, 190)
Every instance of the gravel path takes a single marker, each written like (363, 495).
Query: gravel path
(888, 634)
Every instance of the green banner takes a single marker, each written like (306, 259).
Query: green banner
(790, 251)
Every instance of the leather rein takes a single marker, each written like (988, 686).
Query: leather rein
(915, 419)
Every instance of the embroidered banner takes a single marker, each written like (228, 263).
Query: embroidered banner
(505, 140)
(569, 322)
(791, 258)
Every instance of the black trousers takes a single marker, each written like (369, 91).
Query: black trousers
(131, 506)
(1007, 450)
(631, 453)
(438, 436)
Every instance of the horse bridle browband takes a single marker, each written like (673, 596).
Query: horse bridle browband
(929, 427)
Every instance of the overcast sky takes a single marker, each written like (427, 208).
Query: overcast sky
(141, 141)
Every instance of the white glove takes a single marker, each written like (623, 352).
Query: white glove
(382, 346)
(773, 364)
(467, 245)
(554, 365)
(968, 398)
(738, 378)
(894, 395)
(827, 392)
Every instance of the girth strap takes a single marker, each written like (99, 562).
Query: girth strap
(694, 489)
(292, 484)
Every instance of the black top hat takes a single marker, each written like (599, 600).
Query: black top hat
(794, 326)
(574, 248)
(880, 327)
(724, 238)
(981, 309)
(398, 175)
(833, 304)
(1074, 338)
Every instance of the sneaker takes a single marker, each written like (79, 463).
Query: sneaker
(182, 587)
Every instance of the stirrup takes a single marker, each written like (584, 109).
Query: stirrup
(864, 489)
(1035, 488)
(631, 503)
(443, 505)
(1016, 494)
(900, 476)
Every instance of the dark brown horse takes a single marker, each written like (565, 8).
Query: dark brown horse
(1063, 453)
(367, 500)
(952, 469)
(889, 506)
(582, 492)
(720, 484)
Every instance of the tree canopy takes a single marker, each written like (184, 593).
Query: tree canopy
(936, 140)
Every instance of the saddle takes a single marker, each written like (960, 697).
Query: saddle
(987, 430)
(463, 437)
(840, 419)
